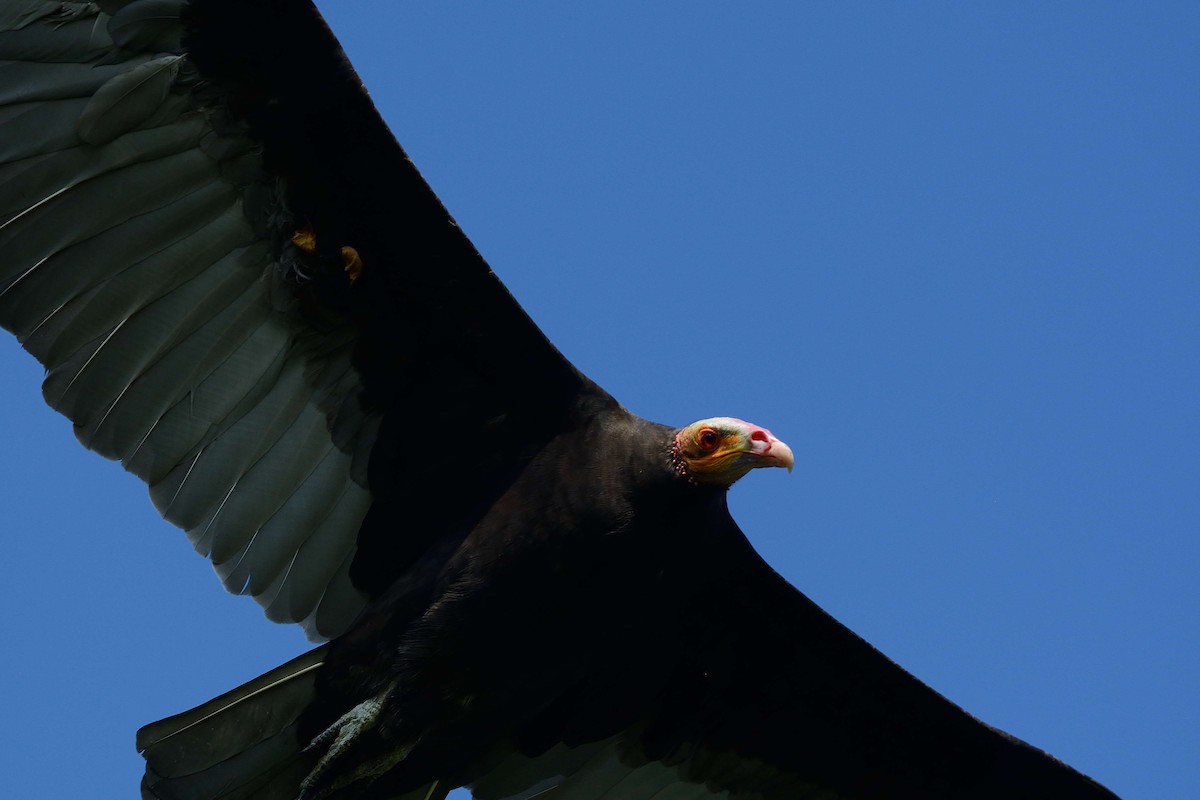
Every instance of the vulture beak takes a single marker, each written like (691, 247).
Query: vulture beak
(767, 451)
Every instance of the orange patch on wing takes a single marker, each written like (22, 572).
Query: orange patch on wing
(305, 238)
(352, 263)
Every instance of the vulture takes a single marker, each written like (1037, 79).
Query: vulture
(242, 289)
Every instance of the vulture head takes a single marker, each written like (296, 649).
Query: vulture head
(719, 450)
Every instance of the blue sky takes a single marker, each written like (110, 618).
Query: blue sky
(950, 252)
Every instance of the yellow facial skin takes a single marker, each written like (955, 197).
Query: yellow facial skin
(719, 450)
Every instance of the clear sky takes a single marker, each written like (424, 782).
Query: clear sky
(950, 252)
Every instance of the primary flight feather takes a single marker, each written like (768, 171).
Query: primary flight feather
(243, 290)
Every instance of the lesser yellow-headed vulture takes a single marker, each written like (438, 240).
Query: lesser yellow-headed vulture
(244, 291)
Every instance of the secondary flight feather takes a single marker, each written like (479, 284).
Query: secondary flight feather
(243, 290)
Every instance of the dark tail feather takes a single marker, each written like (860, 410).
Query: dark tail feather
(242, 744)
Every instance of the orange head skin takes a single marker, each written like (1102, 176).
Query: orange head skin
(719, 450)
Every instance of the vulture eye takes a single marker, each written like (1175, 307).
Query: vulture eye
(708, 438)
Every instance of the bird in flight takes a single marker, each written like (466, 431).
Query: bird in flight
(243, 290)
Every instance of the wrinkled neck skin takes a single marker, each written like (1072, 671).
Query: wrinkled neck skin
(580, 570)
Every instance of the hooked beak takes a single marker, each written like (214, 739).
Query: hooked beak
(767, 451)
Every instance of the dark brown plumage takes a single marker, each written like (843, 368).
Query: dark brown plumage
(254, 328)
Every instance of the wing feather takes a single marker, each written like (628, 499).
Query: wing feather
(39, 127)
(34, 181)
(148, 25)
(97, 201)
(192, 493)
(126, 257)
(151, 308)
(288, 525)
(220, 370)
(128, 100)
(87, 381)
(23, 81)
(265, 489)
(73, 41)
(315, 588)
(148, 198)
(597, 771)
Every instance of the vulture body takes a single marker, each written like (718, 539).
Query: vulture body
(244, 291)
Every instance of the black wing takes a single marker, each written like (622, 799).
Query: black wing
(243, 290)
(730, 684)
(757, 692)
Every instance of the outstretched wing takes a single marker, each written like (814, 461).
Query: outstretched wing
(760, 693)
(242, 289)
